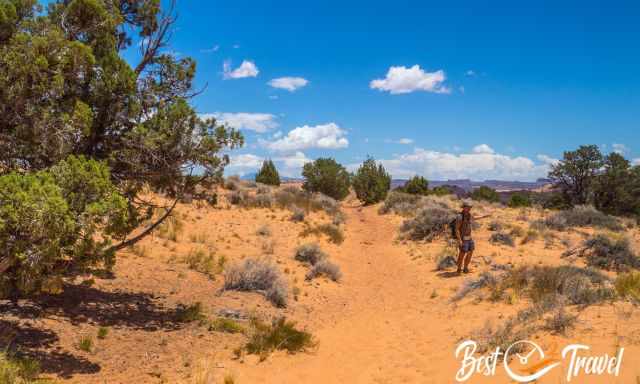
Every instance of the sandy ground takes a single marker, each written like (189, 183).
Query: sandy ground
(390, 319)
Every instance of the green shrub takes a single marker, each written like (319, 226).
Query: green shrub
(428, 224)
(223, 324)
(70, 212)
(485, 193)
(327, 176)
(582, 216)
(519, 199)
(85, 343)
(268, 174)
(371, 182)
(202, 261)
(417, 185)
(279, 335)
(610, 253)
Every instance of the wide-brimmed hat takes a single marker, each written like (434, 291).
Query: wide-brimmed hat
(466, 204)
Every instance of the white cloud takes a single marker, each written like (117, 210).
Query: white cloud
(635, 161)
(213, 49)
(325, 136)
(483, 148)
(246, 69)
(288, 165)
(620, 148)
(258, 122)
(547, 159)
(406, 80)
(470, 72)
(289, 83)
(476, 165)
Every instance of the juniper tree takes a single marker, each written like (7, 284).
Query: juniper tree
(66, 90)
(268, 174)
(327, 176)
(371, 182)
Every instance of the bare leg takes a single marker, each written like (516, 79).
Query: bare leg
(467, 260)
(460, 260)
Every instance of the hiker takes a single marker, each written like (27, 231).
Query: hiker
(463, 227)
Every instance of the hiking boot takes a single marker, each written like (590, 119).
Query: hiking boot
(466, 270)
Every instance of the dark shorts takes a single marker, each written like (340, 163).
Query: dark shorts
(468, 246)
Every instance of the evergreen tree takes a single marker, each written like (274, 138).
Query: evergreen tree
(371, 182)
(327, 176)
(268, 174)
(417, 185)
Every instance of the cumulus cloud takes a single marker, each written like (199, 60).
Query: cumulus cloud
(258, 122)
(635, 161)
(547, 159)
(620, 148)
(406, 80)
(288, 83)
(289, 165)
(483, 148)
(470, 73)
(324, 136)
(475, 165)
(246, 69)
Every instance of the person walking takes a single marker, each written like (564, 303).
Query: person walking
(466, 245)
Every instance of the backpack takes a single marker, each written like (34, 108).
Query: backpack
(452, 227)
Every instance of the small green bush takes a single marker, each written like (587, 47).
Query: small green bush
(400, 203)
(417, 185)
(485, 193)
(85, 343)
(334, 232)
(610, 253)
(371, 182)
(582, 216)
(327, 176)
(519, 199)
(103, 332)
(226, 325)
(268, 174)
(279, 335)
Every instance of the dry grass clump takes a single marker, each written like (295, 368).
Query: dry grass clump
(310, 253)
(291, 196)
(17, 370)
(428, 224)
(338, 219)
(612, 253)
(257, 275)
(503, 336)
(495, 226)
(202, 261)
(628, 286)
(279, 335)
(297, 214)
(259, 200)
(334, 232)
(406, 204)
(263, 230)
(502, 238)
(226, 325)
(400, 203)
(324, 268)
(238, 197)
(581, 216)
(548, 289)
(189, 313)
(170, 228)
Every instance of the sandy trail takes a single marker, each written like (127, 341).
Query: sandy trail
(388, 328)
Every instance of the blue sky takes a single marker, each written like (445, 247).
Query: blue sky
(460, 89)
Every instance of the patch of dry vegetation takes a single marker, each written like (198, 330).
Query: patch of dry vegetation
(257, 275)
